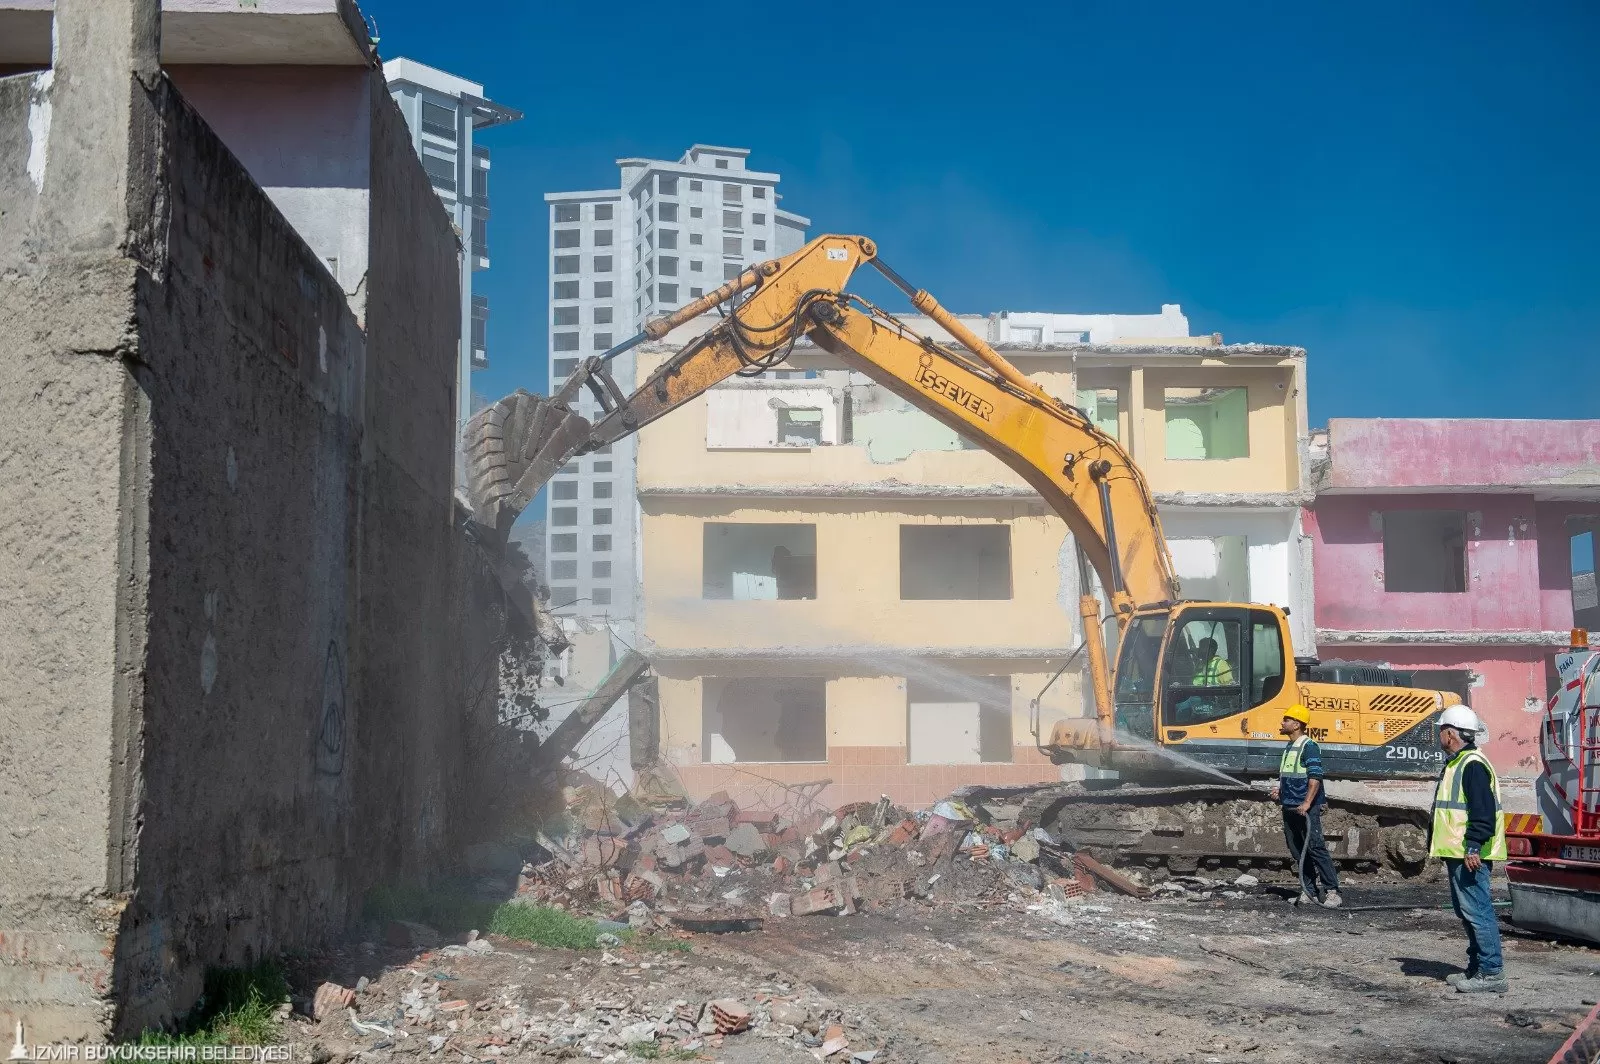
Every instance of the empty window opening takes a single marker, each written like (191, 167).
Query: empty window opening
(564, 489)
(602, 212)
(759, 561)
(566, 316)
(566, 238)
(568, 212)
(564, 543)
(764, 719)
(955, 561)
(1585, 598)
(1425, 550)
(1100, 404)
(1207, 424)
(800, 426)
(1027, 334)
(601, 543)
(1215, 568)
(963, 720)
(566, 289)
(563, 516)
(600, 596)
(564, 570)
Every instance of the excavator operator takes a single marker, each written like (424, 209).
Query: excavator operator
(1214, 670)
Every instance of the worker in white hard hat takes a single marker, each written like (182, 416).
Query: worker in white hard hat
(1469, 834)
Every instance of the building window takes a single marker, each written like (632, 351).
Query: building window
(480, 183)
(732, 219)
(696, 212)
(720, 164)
(800, 427)
(602, 316)
(696, 266)
(668, 293)
(602, 467)
(1027, 334)
(563, 516)
(601, 544)
(758, 245)
(668, 265)
(694, 186)
(1425, 551)
(566, 289)
(566, 315)
(669, 212)
(567, 212)
(602, 516)
(600, 570)
(695, 239)
(732, 193)
(600, 596)
(955, 562)
(763, 719)
(758, 219)
(564, 570)
(669, 239)
(439, 120)
(602, 264)
(1100, 405)
(1070, 336)
(566, 264)
(696, 293)
(566, 238)
(562, 596)
(441, 170)
(602, 341)
(602, 290)
(563, 367)
(564, 543)
(602, 237)
(1207, 424)
(566, 341)
(602, 489)
(759, 192)
(1213, 567)
(602, 212)
(964, 722)
(666, 186)
(759, 561)
(731, 270)
(732, 245)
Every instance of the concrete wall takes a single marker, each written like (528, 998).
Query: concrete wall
(228, 554)
(1443, 454)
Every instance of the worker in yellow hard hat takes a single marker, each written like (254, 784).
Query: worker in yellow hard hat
(1300, 792)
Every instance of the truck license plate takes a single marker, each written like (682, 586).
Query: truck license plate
(1580, 853)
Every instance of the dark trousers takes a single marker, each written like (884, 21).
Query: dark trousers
(1306, 831)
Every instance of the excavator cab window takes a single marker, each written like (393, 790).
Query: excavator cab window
(1204, 671)
(1136, 674)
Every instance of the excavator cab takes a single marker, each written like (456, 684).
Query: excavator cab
(1205, 680)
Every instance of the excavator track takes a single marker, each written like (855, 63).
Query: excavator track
(1185, 829)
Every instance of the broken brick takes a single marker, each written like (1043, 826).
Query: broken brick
(609, 886)
(759, 819)
(330, 998)
(720, 856)
(781, 865)
(709, 827)
(730, 1016)
(903, 833)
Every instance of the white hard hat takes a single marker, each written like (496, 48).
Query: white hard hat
(1461, 718)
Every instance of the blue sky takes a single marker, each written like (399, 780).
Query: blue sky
(1405, 190)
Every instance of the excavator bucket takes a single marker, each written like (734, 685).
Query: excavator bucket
(513, 447)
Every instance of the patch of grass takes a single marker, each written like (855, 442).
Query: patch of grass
(447, 908)
(545, 927)
(236, 1009)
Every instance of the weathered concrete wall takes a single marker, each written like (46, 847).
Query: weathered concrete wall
(1436, 454)
(228, 552)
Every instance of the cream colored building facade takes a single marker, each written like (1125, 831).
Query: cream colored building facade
(836, 587)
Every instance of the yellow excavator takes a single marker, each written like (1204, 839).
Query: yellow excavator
(1195, 698)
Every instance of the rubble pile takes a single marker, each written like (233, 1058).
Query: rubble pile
(715, 867)
(622, 1005)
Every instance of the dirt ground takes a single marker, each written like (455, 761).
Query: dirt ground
(1104, 979)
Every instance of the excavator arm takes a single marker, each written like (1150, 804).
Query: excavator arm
(1082, 473)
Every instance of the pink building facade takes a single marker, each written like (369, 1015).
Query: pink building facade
(1463, 550)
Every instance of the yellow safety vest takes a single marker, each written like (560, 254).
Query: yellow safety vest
(1289, 764)
(1215, 673)
(1450, 812)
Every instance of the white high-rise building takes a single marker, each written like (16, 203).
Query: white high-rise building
(669, 233)
(444, 113)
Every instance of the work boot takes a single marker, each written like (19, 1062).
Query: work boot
(1456, 978)
(1332, 901)
(1303, 899)
(1484, 984)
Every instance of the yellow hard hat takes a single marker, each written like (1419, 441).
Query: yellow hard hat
(1299, 713)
